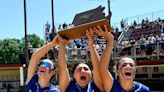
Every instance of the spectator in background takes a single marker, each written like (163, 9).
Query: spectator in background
(147, 21)
(47, 27)
(162, 27)
(122, 25)
(116, 30)
(78, 43)
(135, 23)
(162, 40)
(59, 27)
(157, 38)
(52, 34)
(47, 37)
(132, 44)
(125, 46)
(64, 26)
(150, 44)
(142, 43)
(84, 43)
(143, 23)
(30, 49)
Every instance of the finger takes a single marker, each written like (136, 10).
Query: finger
(96, 30)
(87, 33)
(91, 31)
(106, 29)
(100, 29)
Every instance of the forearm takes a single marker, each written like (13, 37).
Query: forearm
(95, 59)
(106, 55)
(42, 51)
(106, 76)
(107, 80)
(64, 77)
(62, 54)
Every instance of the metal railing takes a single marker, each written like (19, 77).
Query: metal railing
(134, 51)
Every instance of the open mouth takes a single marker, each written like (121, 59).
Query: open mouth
(42, 71)
(128, 74)
(83, 78)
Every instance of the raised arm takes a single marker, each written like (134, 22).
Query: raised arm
(33, 63)
(95, 59)
(64, 77)
(105, 58)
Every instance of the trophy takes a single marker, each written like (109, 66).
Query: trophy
(85, 20)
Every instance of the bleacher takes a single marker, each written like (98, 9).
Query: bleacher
(9, 84)
(152, 27)
(152, 34)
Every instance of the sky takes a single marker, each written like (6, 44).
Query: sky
(39, 12)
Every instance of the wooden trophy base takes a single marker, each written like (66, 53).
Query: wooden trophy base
(80, 30)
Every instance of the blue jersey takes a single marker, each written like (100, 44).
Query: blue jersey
(138, 87)
(74, 87)
(33, 86)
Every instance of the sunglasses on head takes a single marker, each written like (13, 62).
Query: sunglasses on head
(46, 64)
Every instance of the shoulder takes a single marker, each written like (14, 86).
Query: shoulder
(33, 79)
(92, 86)
(116, 83)
(72, 83)
(116, 86)
(71, 86)
(141, 87)
(31, 85)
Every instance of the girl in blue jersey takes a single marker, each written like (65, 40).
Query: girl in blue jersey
(82, 75)
(126, 70)
(39, 73)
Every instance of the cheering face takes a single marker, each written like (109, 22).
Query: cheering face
(82, 75)
(45, 70)
(127, 70)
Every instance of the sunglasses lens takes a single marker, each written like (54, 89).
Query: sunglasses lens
(46, 64)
